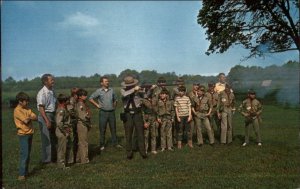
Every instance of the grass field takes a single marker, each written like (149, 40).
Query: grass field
(274, 165)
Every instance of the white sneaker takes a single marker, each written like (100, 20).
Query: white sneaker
(170, 149)
(163, 149)
(154, 152)
(245, 144)
(259, 144)
(102, 148)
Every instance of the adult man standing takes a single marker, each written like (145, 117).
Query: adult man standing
(107, 103)
(132, 116)
(46, 102)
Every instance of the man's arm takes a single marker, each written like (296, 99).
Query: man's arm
(43, 114)
(94, 103)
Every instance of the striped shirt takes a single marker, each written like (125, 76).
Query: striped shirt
(183, 105)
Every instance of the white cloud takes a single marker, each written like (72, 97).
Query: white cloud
(80, 22)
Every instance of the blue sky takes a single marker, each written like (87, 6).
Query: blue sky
(81, 38)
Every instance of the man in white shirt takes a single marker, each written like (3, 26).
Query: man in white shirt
(46, 102)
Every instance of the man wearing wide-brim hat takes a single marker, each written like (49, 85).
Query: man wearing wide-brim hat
(132, 116)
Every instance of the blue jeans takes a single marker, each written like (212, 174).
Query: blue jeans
(110, 118)
(25, 148)
(48, 138)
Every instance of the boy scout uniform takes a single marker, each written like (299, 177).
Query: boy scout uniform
(202, 105)
(213, 118)
(83, 125)
(64, 135)
(224, 108)
(71, 107)
(150, 118)
(251, 110)
(192, 94)
(165, 112)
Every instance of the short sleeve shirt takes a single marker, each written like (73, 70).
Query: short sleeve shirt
(46, 98)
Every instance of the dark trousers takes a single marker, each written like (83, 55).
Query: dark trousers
(25, 148)
(183, 129)
(110, 118)
(134, 122)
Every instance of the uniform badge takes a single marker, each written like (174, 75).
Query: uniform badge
(61, 112)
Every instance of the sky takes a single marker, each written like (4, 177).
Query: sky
(79, 38)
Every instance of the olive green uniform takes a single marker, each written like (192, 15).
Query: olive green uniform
(251, 110)
(83, 126)
(165, 112)
(201, 106)
(215, 122)
(225, 107)
(149, 118)
(191, 94)
(64, 135)
(71, 107)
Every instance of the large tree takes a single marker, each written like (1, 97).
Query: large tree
(262, 26)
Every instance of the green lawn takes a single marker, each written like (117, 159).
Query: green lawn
(274, 165)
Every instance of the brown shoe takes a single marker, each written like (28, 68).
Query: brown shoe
(21, 178)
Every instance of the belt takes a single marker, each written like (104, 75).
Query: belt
(50, 112)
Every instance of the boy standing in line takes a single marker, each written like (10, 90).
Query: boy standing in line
(64, 133)
(83, 126)
(202, 109)
(183, 110)
(23, 117)
(225, 109)
(251, 109)
(165, 115)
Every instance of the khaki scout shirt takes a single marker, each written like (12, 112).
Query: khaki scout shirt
(249, 107)
(155, 96)
(213, 97)
(201, 104)
(226, 102)
(165, 108)
(83, 113)
(62, 118)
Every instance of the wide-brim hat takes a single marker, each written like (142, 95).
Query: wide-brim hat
(129, 81)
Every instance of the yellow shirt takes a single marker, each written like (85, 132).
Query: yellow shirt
(20, 115)
(219, 87)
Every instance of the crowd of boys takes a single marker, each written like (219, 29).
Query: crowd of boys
(156, 115)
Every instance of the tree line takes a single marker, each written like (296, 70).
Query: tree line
(239, 77)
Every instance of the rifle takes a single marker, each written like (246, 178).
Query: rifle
(148, 86)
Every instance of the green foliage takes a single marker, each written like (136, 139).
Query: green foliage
(274, 165)
(258, 25)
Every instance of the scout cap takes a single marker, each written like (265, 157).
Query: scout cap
(180, 81)
(129, 81)
(251, 91)
(161, 80)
